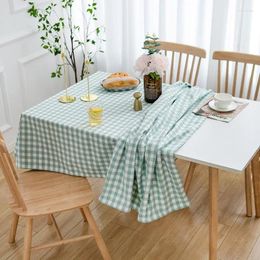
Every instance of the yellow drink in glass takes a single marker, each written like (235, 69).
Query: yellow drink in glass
(95, 116)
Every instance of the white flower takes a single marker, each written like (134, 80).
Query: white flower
(146, 64)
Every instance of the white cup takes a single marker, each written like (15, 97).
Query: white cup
(223, 100)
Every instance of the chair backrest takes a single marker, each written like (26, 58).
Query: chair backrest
(10, 174)
(248, 64)
(187, 71)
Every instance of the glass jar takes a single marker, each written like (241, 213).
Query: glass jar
(95, 116)
(152, 88)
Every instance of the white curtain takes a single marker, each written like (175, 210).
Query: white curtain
(231, 25)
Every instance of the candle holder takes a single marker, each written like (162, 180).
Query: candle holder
(88, 97)
(66, 98)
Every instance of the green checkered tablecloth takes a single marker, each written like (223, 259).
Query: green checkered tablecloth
(134, 151)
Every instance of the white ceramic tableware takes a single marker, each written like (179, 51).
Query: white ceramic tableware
(223, 100)
(231, 107)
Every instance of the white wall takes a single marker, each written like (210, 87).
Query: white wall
(24, 67)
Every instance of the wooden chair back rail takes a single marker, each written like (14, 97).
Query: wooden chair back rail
(177, 47)
(237, 59)
(187, 70)
(10, 178)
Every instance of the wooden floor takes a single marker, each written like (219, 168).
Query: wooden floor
(180, 235)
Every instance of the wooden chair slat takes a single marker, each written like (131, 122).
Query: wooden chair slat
(197, 72)
(10, 178)
(227, 76)
(172, 65)
(179, 67)
(9, 158)
(235, 80)
(243, 81)
(164, 75)
(251, 82)
(10, 175)
(257, 88)
(192, 67)
(219, 76)
(185, 68)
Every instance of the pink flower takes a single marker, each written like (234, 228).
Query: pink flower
(146, 64)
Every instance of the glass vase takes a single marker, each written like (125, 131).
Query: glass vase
(152, 88)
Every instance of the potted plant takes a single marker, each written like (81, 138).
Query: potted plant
(76, 46)
(151, 66)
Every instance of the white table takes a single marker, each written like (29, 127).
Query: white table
(230, 147)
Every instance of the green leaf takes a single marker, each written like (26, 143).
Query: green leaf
(89, 10)
(53, 74)
(56, 51)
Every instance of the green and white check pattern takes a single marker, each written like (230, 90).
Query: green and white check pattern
(56, 137)
(142, 173)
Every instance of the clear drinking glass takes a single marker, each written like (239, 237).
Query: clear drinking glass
(95, 116)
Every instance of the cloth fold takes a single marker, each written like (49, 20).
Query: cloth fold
(142, 174)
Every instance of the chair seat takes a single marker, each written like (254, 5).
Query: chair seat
(47, 192)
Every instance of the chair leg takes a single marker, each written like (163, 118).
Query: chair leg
(99, 240)
(83, 215)
(49, 221)
(248, 191)
(13, 228)
(56, 226)
(28, 239)
(213, 213)
(189, 176)
(256, 183)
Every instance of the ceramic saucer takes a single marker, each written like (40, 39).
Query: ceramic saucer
(230, 108)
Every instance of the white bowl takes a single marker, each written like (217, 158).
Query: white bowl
(223, 100)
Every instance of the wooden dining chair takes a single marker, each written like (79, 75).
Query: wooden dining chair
(238, 69)
(38, 193)
(185, 62)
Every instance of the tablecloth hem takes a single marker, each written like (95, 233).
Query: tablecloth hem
(144, 219)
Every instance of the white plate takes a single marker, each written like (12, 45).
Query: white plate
(230, 108)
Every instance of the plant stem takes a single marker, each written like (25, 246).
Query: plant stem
(83, 66)
(72, 54)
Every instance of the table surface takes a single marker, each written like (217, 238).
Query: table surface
(228, 146)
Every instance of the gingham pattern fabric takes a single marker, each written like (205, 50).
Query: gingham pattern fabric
(142, 173)
(56, 137)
